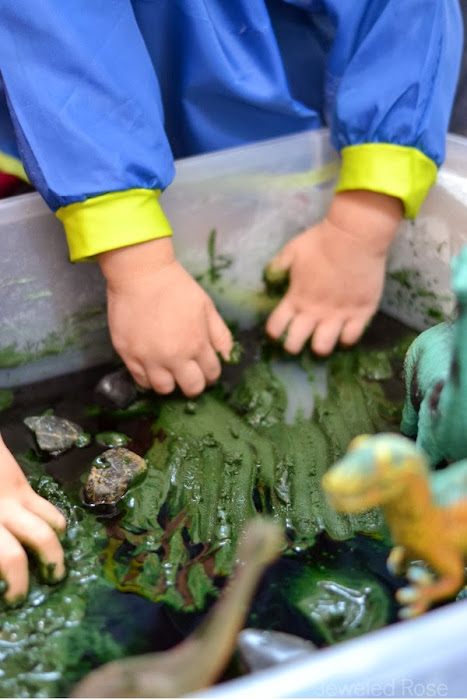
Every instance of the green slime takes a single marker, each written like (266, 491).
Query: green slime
(215, 462)
(6, 398)
(219, 460)
(47, 644)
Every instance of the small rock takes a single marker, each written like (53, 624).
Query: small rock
(112, 474)
(117, 389)
(56, 435)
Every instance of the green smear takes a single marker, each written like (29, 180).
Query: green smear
(217, 263)
(11, 283)
(83, 440)
(72, 334)
(50, 641)
(410, 279)
(6, 399)
(235, 354)
(38, 295)
(435, 314)
(376, 365)
(228, 457)
(404, 277)
(110, 438)
(276, 281)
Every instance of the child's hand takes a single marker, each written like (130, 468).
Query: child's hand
(163, 325)
(26, 520)
(337, 271)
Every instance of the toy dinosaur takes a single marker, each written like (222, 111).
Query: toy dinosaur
(435, 369)
(426, 512)
(196, 662)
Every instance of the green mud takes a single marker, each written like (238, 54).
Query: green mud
(46, 644)
(6, 399)
(213, 462)
(71, 335)
(413, 291)
(223, 458)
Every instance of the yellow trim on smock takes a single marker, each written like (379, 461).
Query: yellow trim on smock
(12, 166)
(111, 221)
(400, 171)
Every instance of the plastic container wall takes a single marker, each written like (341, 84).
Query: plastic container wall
(418, 285)
(255, 198)
(420, 658)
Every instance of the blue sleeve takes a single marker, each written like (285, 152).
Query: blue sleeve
(83, 97)
(392, 72)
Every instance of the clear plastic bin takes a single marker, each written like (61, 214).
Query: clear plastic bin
(255, 198)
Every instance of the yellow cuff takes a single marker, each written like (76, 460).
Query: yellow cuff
(12, 166)
(400, 171)
(113, 220)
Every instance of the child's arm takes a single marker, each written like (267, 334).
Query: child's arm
(388, 100)
(336, 272)
(26, 521)
(163, 325)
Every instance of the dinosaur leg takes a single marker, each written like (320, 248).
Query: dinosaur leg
(409, 423)
(427, 440)
(426, 591)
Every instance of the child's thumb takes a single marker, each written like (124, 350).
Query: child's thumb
(281, 262)
(276, 272)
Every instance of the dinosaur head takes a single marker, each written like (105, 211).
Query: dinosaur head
(373, 472)
(459, 275)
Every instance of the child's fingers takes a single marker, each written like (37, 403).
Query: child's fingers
(161, 380)
(190, 378)
(210, 365)
(37, 535)
(279, 319)
(325, 336)
(352, 331)
(219, 335)
(283, 259)
(13, 567)
(298, 332)
(47, 512)
(139, 374)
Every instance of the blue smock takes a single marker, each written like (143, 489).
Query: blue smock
(100, 96)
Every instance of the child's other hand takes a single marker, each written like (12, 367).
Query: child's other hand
(26, 520)
(337, 271)
(163, 324)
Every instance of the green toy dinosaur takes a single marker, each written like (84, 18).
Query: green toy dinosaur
(426, 512)
(435, 368)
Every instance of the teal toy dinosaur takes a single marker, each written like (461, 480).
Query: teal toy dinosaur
(426, 512)
(435, 369)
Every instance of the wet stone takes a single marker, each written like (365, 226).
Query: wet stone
(112, 474)
(56, 435)
(110, 438)
(116, 390)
